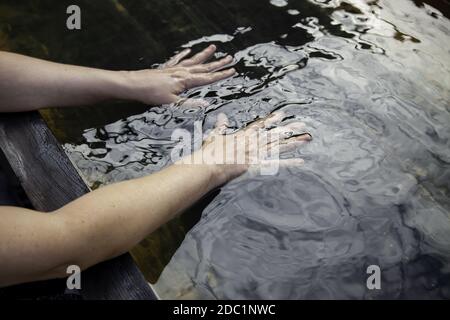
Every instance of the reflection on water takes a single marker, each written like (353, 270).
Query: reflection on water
(371, 81)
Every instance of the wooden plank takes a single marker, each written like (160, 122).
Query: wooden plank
(50, 181)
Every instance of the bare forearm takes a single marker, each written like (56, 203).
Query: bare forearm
(98, 226)
(28, 83)
(113, 219)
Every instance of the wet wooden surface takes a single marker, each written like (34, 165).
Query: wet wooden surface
(50, 181)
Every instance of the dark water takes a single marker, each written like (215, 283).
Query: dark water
(371, 81)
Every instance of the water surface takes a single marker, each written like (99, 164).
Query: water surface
(371, 81)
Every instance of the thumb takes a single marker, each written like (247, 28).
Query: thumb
(191, 103)
(222, 123)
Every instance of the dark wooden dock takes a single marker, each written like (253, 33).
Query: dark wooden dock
(50, 180)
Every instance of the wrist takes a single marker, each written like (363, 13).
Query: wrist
(124, 85)
(217, 175)
(212, 174)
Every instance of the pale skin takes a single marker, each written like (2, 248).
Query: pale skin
(111, 220)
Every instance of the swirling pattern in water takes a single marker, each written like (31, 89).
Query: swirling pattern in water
(372, 82)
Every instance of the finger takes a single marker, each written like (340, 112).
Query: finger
(286, 131)
(212, 66)
(303, 137)
(200, 57)
(193, 103)
(292, 144)
(174, 99)
(222, 123)
(201, 79)
(279, 146)
(280, 133)
(276, 117)
(266, 122)
(175, 59)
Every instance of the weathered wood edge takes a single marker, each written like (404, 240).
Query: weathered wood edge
(50, 180)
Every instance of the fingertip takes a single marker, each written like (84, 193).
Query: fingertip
(177, 100)
(194, 103)
(221, 122)
(277, 115)
(227, 73)
(295, 162)
(222, 117)
(304, 137)
(212, 47)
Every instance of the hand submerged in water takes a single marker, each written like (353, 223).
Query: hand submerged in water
(163, 85)
(256, 147)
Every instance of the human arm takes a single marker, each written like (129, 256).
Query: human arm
(111, 220)
(98, 226)
(28, 83)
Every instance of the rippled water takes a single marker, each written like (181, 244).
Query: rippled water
(371, 81)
